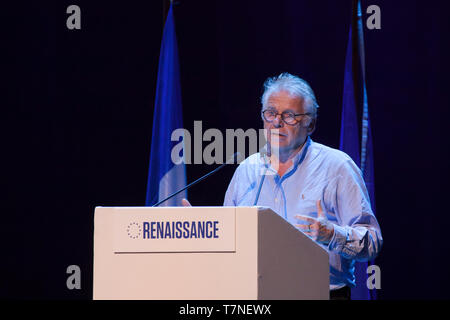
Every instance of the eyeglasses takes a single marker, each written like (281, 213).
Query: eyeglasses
(288, 117)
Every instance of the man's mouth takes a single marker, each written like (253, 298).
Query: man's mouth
(278, 134)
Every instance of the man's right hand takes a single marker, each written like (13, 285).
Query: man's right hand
(185, 203)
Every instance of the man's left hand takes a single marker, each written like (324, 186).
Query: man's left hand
(319, 229)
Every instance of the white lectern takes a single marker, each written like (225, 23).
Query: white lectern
(190, 253)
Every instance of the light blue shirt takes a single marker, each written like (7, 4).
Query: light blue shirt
(318, 173)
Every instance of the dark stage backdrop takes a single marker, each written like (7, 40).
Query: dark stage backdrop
(79, 105)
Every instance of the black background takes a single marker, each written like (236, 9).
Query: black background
(78, 110)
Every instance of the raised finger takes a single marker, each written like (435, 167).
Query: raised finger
(305, 218)
(320, 212)
(304, 226)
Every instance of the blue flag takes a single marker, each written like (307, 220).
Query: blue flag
(354, 96)
(349, 141)
(165, 175)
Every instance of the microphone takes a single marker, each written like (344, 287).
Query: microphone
(268, 154)
(231, 160)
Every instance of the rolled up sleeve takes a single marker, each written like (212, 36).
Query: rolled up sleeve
(357, 235)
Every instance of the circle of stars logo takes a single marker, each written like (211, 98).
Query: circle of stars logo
(134, 230)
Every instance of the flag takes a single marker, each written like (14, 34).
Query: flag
(165, 176)
(354, 96)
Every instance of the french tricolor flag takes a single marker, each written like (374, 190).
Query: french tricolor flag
(165, 177)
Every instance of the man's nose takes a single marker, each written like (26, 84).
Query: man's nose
(278, 121)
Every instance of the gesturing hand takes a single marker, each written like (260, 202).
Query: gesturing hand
(185, 203)
(319, 229)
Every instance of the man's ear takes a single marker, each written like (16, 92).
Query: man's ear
(312, 125)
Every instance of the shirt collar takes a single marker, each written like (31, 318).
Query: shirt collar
(299, 156)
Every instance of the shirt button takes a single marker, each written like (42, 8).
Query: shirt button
(276, 199)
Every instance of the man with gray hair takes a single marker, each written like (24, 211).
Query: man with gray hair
(317, 189)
